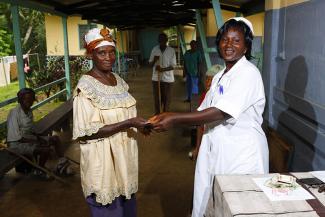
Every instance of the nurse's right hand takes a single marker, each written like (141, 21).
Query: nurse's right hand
(162, 122)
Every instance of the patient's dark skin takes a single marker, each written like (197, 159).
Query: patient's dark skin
(103, 58)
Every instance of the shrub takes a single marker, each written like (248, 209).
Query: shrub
(54, 70)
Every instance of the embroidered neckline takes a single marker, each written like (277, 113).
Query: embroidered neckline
(105, 96)
(118, 81)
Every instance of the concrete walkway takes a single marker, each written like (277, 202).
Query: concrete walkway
(165, 172)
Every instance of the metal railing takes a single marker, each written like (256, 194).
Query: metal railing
(39, 104)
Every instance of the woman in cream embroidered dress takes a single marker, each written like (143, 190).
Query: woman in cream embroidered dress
(105, 121)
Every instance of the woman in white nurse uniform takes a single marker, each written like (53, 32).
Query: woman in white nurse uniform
(233, 141)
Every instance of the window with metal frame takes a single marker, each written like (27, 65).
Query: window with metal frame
(83, 29)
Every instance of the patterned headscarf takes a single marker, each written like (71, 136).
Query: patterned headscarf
(96, 38)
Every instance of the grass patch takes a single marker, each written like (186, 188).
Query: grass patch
(9, 91)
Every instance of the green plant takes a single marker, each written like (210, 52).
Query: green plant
(32, 29)
(171, 32)
(55, 70)
(5, 43)
(76, 69)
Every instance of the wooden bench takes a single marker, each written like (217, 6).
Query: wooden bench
(8, 161)
(55, 120)
(58, 119)
(280, 152)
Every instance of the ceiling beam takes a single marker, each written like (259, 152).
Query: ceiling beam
(230, 8)
(253, 7)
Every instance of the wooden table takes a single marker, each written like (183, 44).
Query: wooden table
(238, 195)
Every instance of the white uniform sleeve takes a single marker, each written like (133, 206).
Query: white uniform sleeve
(204, 104)
(13, 131)
(242, 92)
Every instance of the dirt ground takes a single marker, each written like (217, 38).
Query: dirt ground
(165, 172)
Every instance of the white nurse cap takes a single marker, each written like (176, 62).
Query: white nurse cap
(247, 22)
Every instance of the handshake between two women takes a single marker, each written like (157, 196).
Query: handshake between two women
(157, 123)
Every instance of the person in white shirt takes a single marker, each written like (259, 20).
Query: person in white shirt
(233, 140)
(163, 61)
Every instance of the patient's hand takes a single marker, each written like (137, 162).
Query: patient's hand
(163, 121)
(138, 122)
(147, 129)
(142, 125)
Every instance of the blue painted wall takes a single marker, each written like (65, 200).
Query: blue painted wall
(148, 38)
(293, 72)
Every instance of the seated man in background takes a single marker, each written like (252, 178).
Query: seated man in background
(21, 138)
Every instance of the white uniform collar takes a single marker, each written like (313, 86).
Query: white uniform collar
(235, 67)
